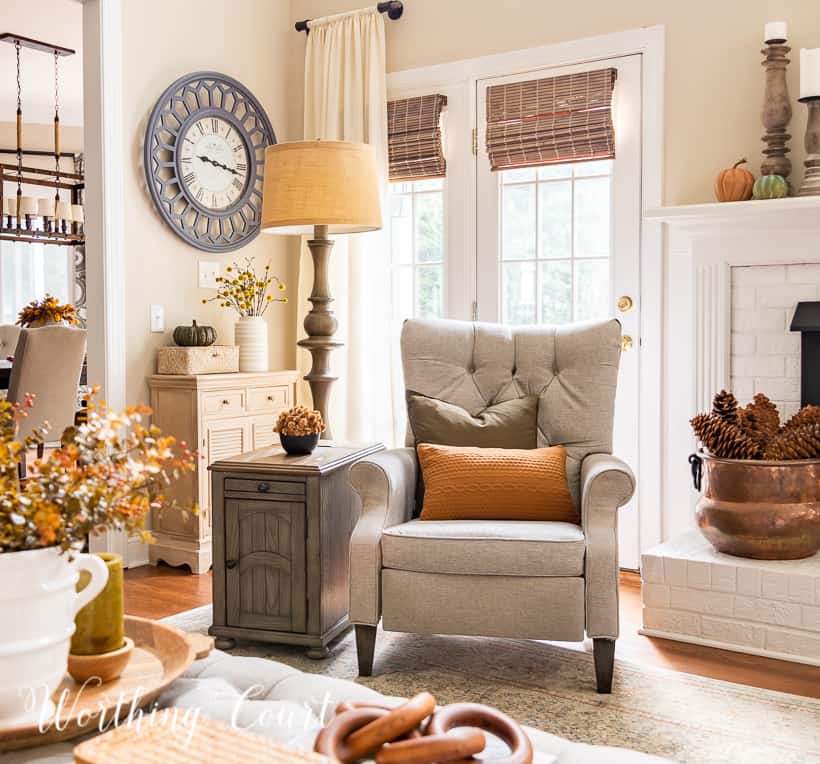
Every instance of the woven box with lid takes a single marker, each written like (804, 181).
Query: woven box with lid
(213, 359)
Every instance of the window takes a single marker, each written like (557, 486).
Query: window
(417, 248)
(29, 271)
(555, 243)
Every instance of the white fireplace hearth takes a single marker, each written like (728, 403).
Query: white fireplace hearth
(733, 275)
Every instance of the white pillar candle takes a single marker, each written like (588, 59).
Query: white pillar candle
(77, 214)
(775, 30)
(45, 208)
(809, 73)
(28, 205)
(62, 210)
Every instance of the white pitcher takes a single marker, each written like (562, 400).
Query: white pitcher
(38, 602)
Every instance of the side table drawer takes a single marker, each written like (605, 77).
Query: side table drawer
(259, 488)
(229, 402)
(268, 399)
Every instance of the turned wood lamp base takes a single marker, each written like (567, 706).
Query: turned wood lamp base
(320, 325)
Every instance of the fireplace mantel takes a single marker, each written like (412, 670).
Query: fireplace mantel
(705, 243)
(794, 213)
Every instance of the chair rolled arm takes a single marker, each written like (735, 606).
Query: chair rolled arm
(386, 483)
(607, 483)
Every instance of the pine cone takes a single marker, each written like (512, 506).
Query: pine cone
(723, 438)
(800, 442)
(724, 406)
(806, 415)
(760, 420)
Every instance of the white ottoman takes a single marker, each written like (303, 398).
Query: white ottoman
(289, 706)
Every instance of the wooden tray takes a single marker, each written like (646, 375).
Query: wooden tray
(178, 739)
(161, 653)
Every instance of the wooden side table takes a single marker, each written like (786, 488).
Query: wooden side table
(281, 537)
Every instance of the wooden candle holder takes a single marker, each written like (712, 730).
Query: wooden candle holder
(811, 180)
(777, 110)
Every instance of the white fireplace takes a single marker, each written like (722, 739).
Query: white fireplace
(734, 273)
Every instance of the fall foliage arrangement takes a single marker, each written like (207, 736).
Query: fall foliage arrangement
(247, 291)
(46, 311)
(300, 421)
(755, 431)
(108, 473)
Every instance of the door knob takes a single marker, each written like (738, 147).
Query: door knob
(626, 343)
(231, 563)
(625, 303)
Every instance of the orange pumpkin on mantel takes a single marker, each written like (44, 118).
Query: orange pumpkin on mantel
(734, 184)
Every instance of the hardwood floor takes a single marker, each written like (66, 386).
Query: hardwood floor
(157, 592)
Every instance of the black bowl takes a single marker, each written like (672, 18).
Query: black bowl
(299, 445)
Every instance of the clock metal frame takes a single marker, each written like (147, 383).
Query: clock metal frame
(196, 96)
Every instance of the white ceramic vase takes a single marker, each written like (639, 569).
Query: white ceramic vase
(251, 334)
(38, 602)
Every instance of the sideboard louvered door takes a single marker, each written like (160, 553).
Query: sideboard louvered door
(265, 564)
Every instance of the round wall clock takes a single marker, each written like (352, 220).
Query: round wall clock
(204, 160)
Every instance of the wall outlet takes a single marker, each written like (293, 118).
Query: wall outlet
(157, 318)
(208, 271)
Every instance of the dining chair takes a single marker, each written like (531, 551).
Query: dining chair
(47, 365)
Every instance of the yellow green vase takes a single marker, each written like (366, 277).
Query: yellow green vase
(100, 624)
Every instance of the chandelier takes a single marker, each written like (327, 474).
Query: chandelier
(45, 219)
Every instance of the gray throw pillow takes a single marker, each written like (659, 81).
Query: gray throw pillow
(511, 424)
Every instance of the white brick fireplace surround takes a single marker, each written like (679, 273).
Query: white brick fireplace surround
(733, 275)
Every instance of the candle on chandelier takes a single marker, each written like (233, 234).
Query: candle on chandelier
(62, 211)
(809, 73)
(45, 208)
(77, 214)
(28, 205)
(775, 31)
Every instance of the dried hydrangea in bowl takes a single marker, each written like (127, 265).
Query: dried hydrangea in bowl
(299, 429)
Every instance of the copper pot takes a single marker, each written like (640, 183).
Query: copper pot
(761, 509)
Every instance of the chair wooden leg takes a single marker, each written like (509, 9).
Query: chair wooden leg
(41, 449)
(603, 652)
(365, 648)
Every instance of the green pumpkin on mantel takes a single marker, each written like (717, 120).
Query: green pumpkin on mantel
(771, 187)
(194, 335)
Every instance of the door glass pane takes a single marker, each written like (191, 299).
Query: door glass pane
(518, 222)
(592, 232)
(555, 219)
(551, 171)
(519, 287)
(403, 292)
(429, 225)
(591, 290)
(401, 227)
(517, 176)
(601, 167)
(556, 292)
(429, 291)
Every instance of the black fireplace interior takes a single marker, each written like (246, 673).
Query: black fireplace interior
(807, 321)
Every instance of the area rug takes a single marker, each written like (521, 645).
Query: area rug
(680, 716)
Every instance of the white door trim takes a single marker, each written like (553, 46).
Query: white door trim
(105, 222)
(461, 77)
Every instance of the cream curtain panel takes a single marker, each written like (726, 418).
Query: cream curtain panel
(346, 100)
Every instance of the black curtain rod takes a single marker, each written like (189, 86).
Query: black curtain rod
(393, 9)
(39, 153)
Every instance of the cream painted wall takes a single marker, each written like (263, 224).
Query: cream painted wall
(714, 82)
(251, 46)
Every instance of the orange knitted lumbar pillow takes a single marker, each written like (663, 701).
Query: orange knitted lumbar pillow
(468, 483)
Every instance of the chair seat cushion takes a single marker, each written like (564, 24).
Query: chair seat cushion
(485, 547)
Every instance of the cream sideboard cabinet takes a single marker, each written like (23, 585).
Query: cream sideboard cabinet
(219, 415)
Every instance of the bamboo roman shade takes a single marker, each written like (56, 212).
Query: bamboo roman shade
(551, 120)
(414, 138)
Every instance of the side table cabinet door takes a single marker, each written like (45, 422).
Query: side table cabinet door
(265, 565)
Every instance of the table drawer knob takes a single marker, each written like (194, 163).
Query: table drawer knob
(231, 563)
(226, 402)
(263, 487)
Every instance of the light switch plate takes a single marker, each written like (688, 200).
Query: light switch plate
(208, 271)
(157, 318)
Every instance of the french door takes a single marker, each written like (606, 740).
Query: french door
(561, 243)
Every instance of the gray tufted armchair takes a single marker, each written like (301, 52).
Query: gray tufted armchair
(517, 579)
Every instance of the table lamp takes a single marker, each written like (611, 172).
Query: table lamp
(320, 188)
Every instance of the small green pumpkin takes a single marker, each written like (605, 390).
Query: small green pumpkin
(771, 187)
(194, 335)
